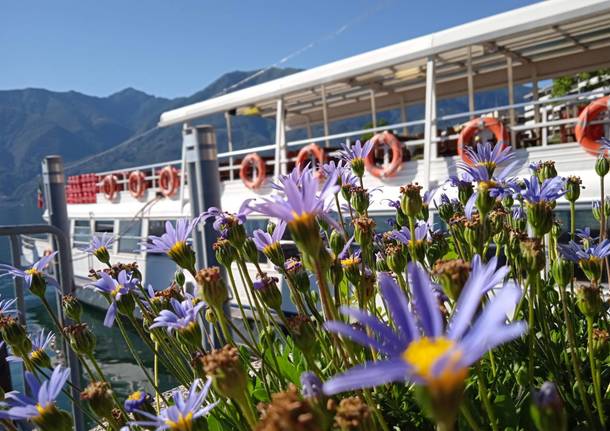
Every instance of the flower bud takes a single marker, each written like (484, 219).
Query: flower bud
(270, 227)
(573, 185)
(396, 258)
(100, 399)
(497, 220)
(346, 192)
(411, 200)
(547, 409)
(547, 170)
(53, 419)
(235, 231)
(224, 251)
(360, 199)
(336, 242)
(228, 374)
(533, 255)
(351, 268)
(250, 250)
(126, 305)
(507, 202)
(306, 234)
(303, 333)
(336, 272)
(364, 231)
(540, 217)
(38, 283)
(588, 299)
(484, 201)
(452, 276)
(366, 289)
(40, 359)
(15, 335)
(464, 193)
(210, 316)
(183, 255)
(269, 292)
(294, 269)
(592, 267)
(596, 210)
(562, 271)
(72, 307)
(600, 343)
(179, 277)
(401, 218)
(82, 340)
(102, 255)
(357, 164)
(602, 166)
(213, 289)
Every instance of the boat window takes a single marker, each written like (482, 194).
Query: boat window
(104, 226)
(82, 233)
(130, 232)
(256, 223)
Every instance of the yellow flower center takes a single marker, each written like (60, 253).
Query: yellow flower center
(37, 354)
(350, 261)
(32, 272)
(424, 353)
(135, 396)
(116, 290)
(271, 248)
(305, 218)
(488, 165)
(184, 423)
(44, 410)
(178, 247)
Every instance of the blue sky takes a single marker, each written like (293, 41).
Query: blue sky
(174, 48)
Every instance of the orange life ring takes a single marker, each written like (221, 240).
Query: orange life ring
(587, 134)
(168, 181)
(305, 152)
(390, 170)
(110, 186)
(137, 184)
(249, 161)
(494, 125)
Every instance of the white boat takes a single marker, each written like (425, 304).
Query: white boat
(526, 46)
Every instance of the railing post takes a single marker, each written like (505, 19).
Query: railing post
(55, 193)
(204, 188)
(430, 120)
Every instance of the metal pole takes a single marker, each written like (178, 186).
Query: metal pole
(308, 126)
(55, 190)
(511, 100)
(325, 116)
(373, 109)
(230, 144)
(280, 138)
(403, 114)
(535, 98)
(429, 119)
(470, 82)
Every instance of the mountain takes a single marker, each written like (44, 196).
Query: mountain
(38, 122)
(90, 132)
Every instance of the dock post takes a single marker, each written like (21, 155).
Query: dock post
(55, 192)
(204, 190)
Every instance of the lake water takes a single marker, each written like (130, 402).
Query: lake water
(112, 353)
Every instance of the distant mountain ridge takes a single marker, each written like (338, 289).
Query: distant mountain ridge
(37, 122)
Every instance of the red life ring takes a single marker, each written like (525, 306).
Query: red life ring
(110, 186)
(475, 125)
(137, 184)
(589, 135)
(252, 160)
(168, 181)
(305, 152)
(390, 170)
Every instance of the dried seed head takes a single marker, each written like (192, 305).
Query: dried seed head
(287, 412)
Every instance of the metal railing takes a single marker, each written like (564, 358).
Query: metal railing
(63, 268)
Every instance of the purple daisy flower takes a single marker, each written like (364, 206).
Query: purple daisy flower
(585, 235)
(99, 242)
(311, 385)
(114, 290)
(223, 219)
(39, 345)
(356, 151)
(578, 252)
(185, 314)
(550, 190)
(422, 232)
(33, 274)
(264, 239)
(136, 401)
(498, 186)
(173, 238)
(43, 400)
(420, 350)
(488, 156)
(6, 306)
(184, 414)
(301, 200)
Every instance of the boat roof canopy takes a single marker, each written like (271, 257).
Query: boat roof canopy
(540, 41)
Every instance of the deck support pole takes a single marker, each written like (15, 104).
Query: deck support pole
(281, 163)
(230, 145)
(470, 83)
(54, 181)
(199, 144)
(430, 121)
(373, 109)
(511, 100)
(325, 115)
(403, 115)
(535, 99)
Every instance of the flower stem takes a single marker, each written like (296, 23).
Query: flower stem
(484, 394)
(594, 374)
